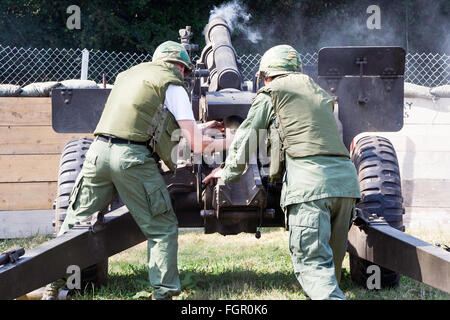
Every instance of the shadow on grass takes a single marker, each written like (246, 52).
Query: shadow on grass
(235, 284)
(241, 283)
(122, 285)
(226, 284)
(261, 280)
(196, 285)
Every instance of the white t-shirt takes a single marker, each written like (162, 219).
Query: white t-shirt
(177, 101)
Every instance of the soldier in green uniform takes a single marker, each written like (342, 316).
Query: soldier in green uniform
(320, 184)
(147, 104)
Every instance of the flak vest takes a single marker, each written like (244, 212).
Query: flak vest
(304, 123)
(135, 109)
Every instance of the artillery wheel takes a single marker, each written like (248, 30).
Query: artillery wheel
(72, 159)
(379, 177)
(70, 165)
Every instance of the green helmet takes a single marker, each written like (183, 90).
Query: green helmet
(279, 60)
(172, 51)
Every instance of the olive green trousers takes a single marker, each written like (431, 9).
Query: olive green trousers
(318, 242)
(130, 170)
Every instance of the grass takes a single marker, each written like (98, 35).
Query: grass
(238, 267)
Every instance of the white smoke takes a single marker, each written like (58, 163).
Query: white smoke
(236, 16)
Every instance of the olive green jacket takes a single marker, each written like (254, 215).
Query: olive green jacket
(306, 178)
(138, 94)
(304, 117)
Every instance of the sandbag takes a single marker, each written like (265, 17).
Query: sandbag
(39, 89)
(108, 86)
(9, 90)
(77, 84)
(441, 91)
(415, 91)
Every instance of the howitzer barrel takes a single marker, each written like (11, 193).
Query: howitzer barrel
(220, 56)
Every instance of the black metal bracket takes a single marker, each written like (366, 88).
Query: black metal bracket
(364, 219)
(67, 95)
(332, 78)
(388, 77)
(11, 256)
(362, 97)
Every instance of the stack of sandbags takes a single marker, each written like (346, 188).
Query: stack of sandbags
(39, 89)
(81, 84)
(44, 89)
(77, 84)
(415, 91)
(441, 91)
(10, 90)
(107, 86)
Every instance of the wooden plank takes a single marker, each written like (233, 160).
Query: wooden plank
(16, 111)
(23, 224)
(29, 168)
(34, 140)
(27, 195)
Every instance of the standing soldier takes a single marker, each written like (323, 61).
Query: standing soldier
(320, 184)
(146, 105)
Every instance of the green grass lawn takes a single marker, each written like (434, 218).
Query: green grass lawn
(238, 267)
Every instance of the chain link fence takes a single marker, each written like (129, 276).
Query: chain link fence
(22, 66)
(427, 69)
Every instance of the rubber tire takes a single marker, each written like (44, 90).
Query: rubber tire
(376, 162)
(71, 163)
(72, 159)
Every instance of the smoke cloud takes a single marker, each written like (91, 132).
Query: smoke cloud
(434, 18)
(236, 15)
(416, 25)
(351, 28)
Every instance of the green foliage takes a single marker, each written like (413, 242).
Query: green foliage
(143, 295)
(134, 25)
(141, 25)
(189, 281)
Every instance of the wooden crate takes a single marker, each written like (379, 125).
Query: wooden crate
(29, 154)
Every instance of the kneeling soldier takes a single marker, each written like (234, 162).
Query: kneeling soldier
(320, 183)
(146, 105)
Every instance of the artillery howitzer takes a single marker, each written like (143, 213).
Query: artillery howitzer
(367, 84)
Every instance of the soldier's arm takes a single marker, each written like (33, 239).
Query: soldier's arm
(246, 137)
(177, 102)
(199, 142)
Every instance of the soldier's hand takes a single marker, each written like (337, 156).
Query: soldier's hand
(216, 125)
(215, 174)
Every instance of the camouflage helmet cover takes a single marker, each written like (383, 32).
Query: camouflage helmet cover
(171, 51)
(279, 60)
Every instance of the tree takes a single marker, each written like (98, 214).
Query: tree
(141, 25)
